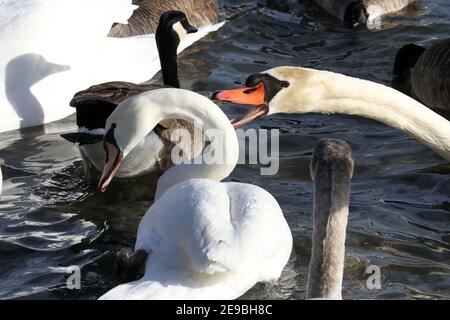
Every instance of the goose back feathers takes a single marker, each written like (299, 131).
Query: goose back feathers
(431, 76)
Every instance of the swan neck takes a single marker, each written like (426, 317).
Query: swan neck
(331, 199)
(328, 92)
(218, 160)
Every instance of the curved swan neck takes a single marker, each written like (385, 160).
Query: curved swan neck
(327, 92)
(331, 199)
(137, 116)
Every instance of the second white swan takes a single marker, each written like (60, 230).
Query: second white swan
(204, 239)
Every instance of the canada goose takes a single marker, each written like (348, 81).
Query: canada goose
(426, 73)
(47, 54)
(303, 90)
(354, 12)
(331, 170)
(201, 238)
(96, 104)
(145, 18)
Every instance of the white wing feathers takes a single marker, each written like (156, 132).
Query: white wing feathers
(218, 227)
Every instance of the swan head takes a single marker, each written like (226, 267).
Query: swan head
(278, 90)
(127, 127)
(331, 154)
(174, 25)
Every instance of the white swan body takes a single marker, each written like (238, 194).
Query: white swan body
(213, 241)
(205, 239)
(54, 48)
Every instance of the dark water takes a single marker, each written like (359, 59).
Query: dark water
(51, 218)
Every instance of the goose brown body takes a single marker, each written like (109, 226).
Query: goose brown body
(431, 76)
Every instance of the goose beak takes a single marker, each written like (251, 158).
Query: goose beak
(114, 158)
(254, 96)
(191, 29)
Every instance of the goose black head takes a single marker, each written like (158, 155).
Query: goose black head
(356, 14)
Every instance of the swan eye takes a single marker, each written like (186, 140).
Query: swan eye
(285, 84)
(248, 91)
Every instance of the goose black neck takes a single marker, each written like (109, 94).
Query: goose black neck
(167, 41)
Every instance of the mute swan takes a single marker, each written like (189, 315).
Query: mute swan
(43, 47)
(95, 104)
(145, 18)
(302, 90)
(58, 55)
(204, 239)
(331, 170)
(426, 72)
(354, 12)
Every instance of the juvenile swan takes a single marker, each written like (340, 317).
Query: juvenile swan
(331, 171)
(202, 238)
(426, 73)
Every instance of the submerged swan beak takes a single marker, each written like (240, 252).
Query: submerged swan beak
(114, 158)
(254, 96)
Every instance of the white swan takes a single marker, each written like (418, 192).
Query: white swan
(53, 48)
(331, 170)
(426, 72)
(205, 239)
(353, 12)
(302, 90)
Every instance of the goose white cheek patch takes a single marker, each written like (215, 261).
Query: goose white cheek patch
(180, 30)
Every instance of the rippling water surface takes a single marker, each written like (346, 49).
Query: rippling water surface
(52, 218)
